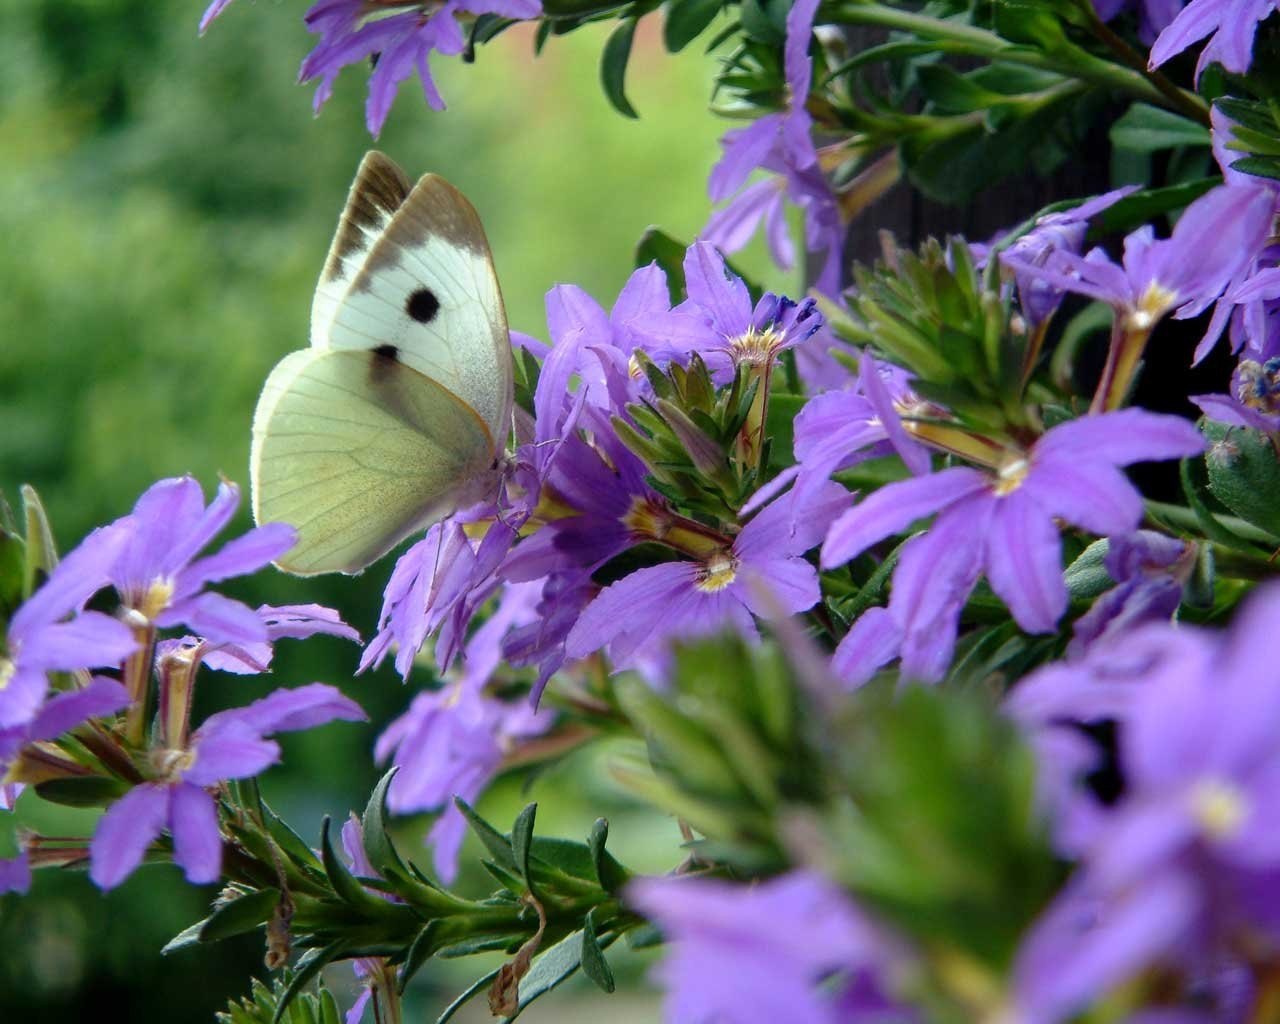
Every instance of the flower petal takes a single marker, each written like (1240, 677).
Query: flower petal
(1130, 435)
(1024, 563)
(124, 833)
(197, 840)
(894, 507)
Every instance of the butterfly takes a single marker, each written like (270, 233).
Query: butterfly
(398, 413)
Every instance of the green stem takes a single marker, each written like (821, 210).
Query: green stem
(972, 41)
(1185, 102)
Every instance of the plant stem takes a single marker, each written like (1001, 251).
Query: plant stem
(1186, 103)
(972, 41)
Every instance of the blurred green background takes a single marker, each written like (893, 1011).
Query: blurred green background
(165, 206)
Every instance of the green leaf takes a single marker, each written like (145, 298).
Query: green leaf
(310, 964)
(188, 937)
(373, 830)
(613, 66)
(522, 838)
(594, 965)
(344, 883)
(419, 953)
(1258, 166)
(42, 552)
(1194, 485)
(498, 845)
(242, 914)
(1087, 576)
(686, 20)
(82, 791)
(765, 20)
(289, 840)
(1146, 129)
(611, 875)
(780, 423)
(1244, 474)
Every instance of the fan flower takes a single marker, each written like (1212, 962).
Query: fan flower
(737, 332)
(781, 144)
(762, 572)
(1000, 523)
(228, 745)
(51, 633)
(160, 576)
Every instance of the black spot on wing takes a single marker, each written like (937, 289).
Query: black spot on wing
(386, 352)
(423, 305)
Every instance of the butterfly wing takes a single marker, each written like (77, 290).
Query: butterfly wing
(426, 290)
(379, 190)
(358, 450)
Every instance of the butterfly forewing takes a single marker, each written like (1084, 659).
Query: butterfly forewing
(380, 189)
(427, 291)
(357, 450)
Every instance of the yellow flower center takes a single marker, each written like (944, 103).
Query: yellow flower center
(156, 598)
(170, 764)
(717, 572)
(1219, 807)
(1155, 302)
(6, 671)
(755, 348)
(1010, 475)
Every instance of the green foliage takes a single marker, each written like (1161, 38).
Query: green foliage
(1256, 135)
(1244, 474)
(938, 828)
(262, 1005)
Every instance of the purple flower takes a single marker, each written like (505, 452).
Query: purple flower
(452, 741)
(402, 42)
(781, 144)
(999, 523)
(1232, 24)
(745, 954)
(1213, 240)
(735, 331)
(41, 637)
(839, 429)
(1055, 232)
(761, 572)
(1151, 570)
(161, 577)
(1196, 717)
(228, 745)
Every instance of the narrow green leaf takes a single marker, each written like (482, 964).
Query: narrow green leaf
(310, 964)
(522, 838)
(373, 829)
(609, 873)
(42, 552)
(686, 20)
(189, 936)
(1258, 166)
(613, 66)
(419, 953)
(1141, 207)
(82, 791)
(240, 915)
(498, 845)
(289, 840)
(1146, 129)
(594, 965)
(344, 883)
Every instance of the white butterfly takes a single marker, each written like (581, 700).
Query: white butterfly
(398, 413)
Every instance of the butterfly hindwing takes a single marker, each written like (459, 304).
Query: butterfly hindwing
(357, 450)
